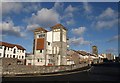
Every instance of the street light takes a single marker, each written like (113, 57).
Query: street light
(89, 52)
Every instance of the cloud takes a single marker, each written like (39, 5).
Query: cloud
(17, 7)
(78, 41)
(58, 7)
(44, 17)
(70, 22)
(107, 19)
(115, 38)
(68, 15)
(31, 7)
(105, 24)
(57, 14)
(8, 28)
(8, 7)
(79, 31)
(32, 26)
(109, 13)
(71, 9)
(87, 7)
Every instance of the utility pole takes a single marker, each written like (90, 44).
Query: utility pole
(89, 53)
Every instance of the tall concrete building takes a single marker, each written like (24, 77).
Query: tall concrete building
(95, 50)
(50, 47)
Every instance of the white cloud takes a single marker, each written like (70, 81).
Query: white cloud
(31, 7)
(58, 7)
(87, 7)
(108, 13)
(106, 24)
(78, 41)
(32, 26)
(115, 38)
(67, 16)
(79, 31)
(70, 22)
(18, 7)
(69, 13)
(8, 7)
(71, 9)
(107, 19)
(45, 17)
(8, 28)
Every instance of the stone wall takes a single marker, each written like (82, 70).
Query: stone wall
(14, 69)
(8, 61)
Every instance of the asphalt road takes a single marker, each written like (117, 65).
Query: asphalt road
(102, 72)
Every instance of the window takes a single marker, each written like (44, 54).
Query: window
(5, 48)
(0, 54)
(0, 47)
(48, 43)
(22, 57)
(41, 35)
(7, 55)
(19, 57)
(13, 56)
(10, 56)
(40, 51)
(49, 60)
(14, 51)
(38, 60)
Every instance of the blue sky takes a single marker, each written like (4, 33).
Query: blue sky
(93, 23)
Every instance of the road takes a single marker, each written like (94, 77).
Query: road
(103, 72)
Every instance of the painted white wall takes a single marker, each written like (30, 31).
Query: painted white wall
(59, 59)
(49, 39)
(56, 36)
(37, 52)
(20, 54)
(70, 62)
(64, 36)
(49, 49)
(2, 51)
(34, 60)
(41, 62)
(49, 36)
(30, 59)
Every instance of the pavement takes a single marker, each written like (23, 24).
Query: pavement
(102, 72)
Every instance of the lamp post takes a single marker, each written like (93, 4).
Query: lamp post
(89, 53)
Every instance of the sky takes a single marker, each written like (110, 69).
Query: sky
(88, 23)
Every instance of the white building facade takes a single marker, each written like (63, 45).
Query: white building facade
(8, 50)
(50, 47)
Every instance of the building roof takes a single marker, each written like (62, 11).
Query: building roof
(74, 56)
(11, 45)
(82, 52)
(40, 29)
(58, 26)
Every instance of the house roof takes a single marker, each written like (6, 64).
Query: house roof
(40, 29)
(58, 26)
(82, 53)
(74, 56)
(11, 45)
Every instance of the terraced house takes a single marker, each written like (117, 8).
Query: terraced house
(49, 47)
(8, 50)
